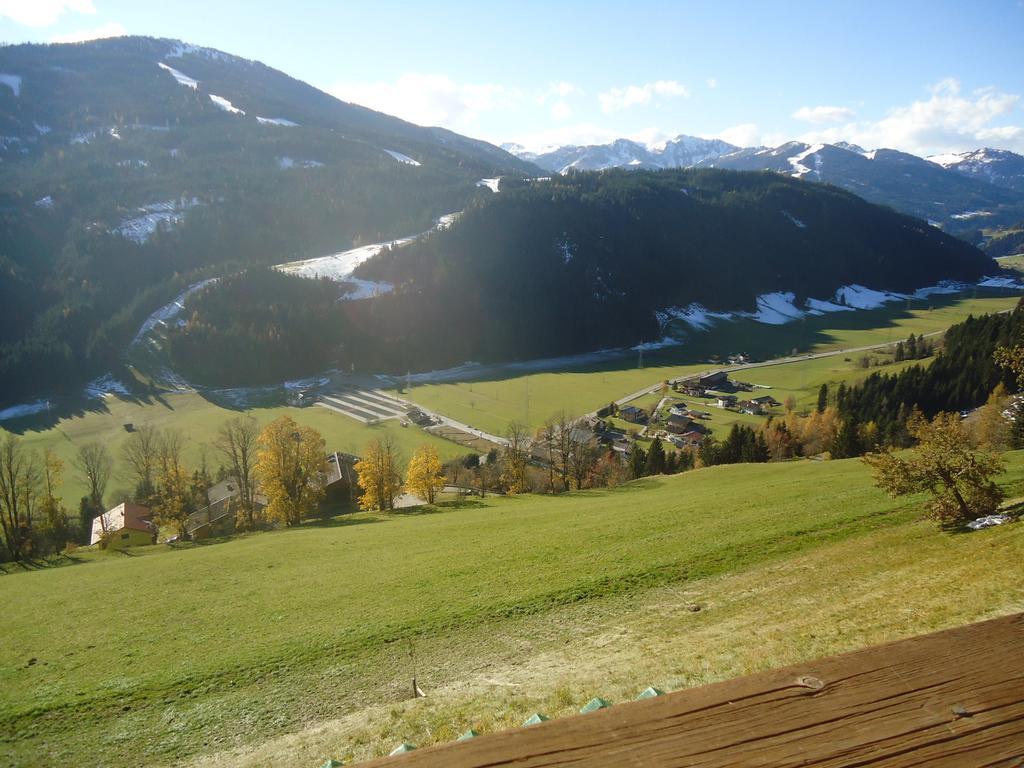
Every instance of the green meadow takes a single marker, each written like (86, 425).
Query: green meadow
(163, 653)
(491, 404)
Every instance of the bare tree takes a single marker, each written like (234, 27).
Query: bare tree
(558, 436)
(583, 457)
(20, 484)
(141, 455)
(514, 459)
(237, 442)
(95, 465)
(168, 449)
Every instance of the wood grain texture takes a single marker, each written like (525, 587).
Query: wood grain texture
(952, 698)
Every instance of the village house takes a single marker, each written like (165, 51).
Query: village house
(679, 409)
(126, 525)
(694, 439)
(765, 401)
(217, 518)
(713, 380)
(632, 414)
(678, 425)
(340, 480)
(726, 401)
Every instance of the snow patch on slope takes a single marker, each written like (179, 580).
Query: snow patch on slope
(276, 121)
(796, 222)
(402, 158)
(797, 160)
(491, 184)
(180, 77)
(25, 409)
(697, 316)
(777, 308)
(819, 307)
(154, 215)
(861, 297)
(13, 82)
(105, 385)
(168, 312)
(226, 105)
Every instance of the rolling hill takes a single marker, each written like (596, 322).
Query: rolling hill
(589, 260)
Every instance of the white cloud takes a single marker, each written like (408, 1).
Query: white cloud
(112, 29)
(42, 13)
(946, 121)
(581, 134)
(823, 114)
(428, 99)
(554, 96)
(745, 135)
(712, 82)
(632, 95)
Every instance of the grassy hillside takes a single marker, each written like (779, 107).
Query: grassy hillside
(154, 657)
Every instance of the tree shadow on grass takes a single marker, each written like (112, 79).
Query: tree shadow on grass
(339, 521)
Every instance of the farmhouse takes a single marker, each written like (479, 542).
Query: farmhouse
(678, 425)
(632, 414)
(126, 525)
(340, 477)
(713, 380)
(765, 401)
(217, 518)
(726, 401)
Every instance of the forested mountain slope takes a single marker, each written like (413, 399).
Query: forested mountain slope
(587, 260)
(129, 164)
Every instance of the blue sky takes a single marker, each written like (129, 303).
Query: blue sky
(926, 77)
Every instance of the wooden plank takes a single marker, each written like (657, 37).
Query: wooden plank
(952, 698)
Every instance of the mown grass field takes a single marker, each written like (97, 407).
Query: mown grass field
(199, 419)
(492, 404)
(154, 658)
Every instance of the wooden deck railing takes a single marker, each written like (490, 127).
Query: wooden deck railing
(952, 698)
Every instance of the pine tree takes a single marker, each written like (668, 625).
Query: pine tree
(637, 461)
(911, 347)
(846, 444)
(655, 464)
(900, 353)
(823, 398)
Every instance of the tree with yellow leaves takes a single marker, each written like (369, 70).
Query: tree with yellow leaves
(425, 477)
(378, 475)
(958, 477)
(290, 470)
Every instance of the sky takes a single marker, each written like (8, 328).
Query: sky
(923, 76)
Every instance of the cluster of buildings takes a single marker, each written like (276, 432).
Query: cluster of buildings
(131, 525)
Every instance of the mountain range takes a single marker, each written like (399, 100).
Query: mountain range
(962, 193)
(133, 168)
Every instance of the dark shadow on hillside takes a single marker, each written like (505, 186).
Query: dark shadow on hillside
(761, 341)
(75, 406)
